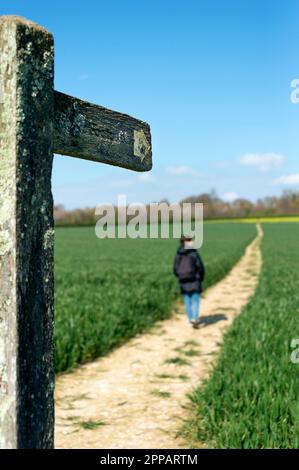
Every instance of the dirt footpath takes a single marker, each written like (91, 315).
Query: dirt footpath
(136, 396)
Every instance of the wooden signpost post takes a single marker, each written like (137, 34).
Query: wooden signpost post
(35, 122)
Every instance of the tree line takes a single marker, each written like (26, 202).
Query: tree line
(213, 208)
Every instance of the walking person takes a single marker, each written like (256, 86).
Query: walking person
(189, 269)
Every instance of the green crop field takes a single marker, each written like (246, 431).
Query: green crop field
(107, 291)
(251, 399)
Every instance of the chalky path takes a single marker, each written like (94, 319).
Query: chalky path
(135, 397)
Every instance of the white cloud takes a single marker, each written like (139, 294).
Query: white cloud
(262, 161)
(146, 177)
(182, 171)
(230, 196)
(289, 180)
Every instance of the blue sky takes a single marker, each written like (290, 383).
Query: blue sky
(213, 79)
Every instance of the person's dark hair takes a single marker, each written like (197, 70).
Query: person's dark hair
(185, 238)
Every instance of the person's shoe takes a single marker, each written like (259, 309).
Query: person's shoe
(195, 323)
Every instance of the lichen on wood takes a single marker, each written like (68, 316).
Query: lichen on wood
(26, 235)
(86, 130)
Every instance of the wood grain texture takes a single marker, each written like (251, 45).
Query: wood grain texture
(26, 236)
(92, 132)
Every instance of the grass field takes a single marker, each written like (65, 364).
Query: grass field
(251, 399)
(264, 220)
(107, 291)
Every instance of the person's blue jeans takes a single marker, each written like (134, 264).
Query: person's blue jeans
(192, 305)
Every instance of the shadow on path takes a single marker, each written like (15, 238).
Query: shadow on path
(211, 319)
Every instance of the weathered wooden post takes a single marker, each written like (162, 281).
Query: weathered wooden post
(26, 247)
(36, 121)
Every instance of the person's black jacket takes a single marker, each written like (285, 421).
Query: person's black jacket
(194, 284)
